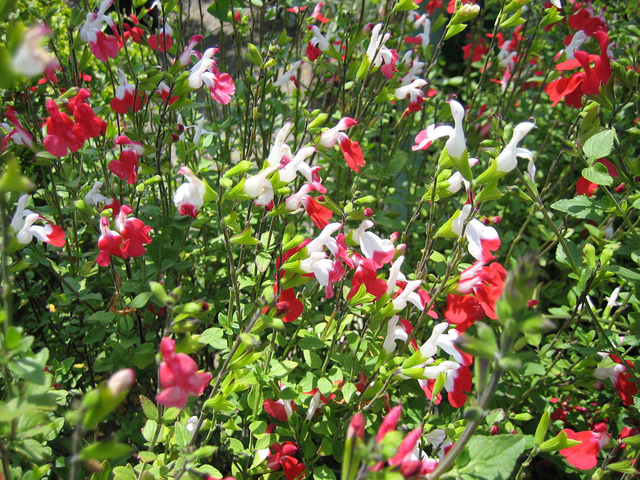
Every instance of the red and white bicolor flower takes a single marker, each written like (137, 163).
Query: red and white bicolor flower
(379, 55)
(456, 144)
(617, 371)
(380, 250)
(185, 57)
(482, 238)
(93, 196)
(126, 166)
(326, 270)
(421, 39)
(584, 456)
(162, 42)
(127, 99)
(135, 233)
(319, 215)
(205, 71)
(49, 233)
(278, 149)
(290, 74)
(259, 187)
(507, 160)
(350, 149)
(31, 59)
(318, 43)
(18, 134)
(189, 196)
(109, 243)
(291, 166)
(102, 46)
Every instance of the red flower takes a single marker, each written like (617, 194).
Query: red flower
(134, 233)
(282, 456)
(587, 82)
(585, 455)
(179, 377)
(127, 98)
(83, 115)
(475, 51)
(108, 243)
(62, 133)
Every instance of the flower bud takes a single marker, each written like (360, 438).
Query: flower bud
(367, 212)
(356, 427)
(282, 308)
(121, 381)
(175, 137)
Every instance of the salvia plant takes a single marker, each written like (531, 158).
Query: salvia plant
(380, 239)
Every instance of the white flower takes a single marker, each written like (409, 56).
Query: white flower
(507, 161)
(286, 76)
(413, 90)
(476, 233)
(31, 59)
(457, 144)
(377, 52)
(93, 197)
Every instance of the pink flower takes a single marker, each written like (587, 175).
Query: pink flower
(179, 377)
(585, 455)
(109, 244)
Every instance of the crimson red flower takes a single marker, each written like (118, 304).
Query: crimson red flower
(179, 377)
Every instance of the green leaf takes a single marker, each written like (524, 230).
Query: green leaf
(105, 450)
(453, 30)
(558, 442)
(599, 145)
(29, 369)
(19, 405)
(253, 55)
(579, 207)
(598, 174)
(124, 473)
(490, 458)
(149, 408)
(242, 167)
(182, 435)
(140, 300)
(12, 180)
(220, 9)
(244, 238)
(402, 6)
(324, 473)
(159, 292)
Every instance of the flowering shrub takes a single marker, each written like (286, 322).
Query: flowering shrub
(387, 240)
